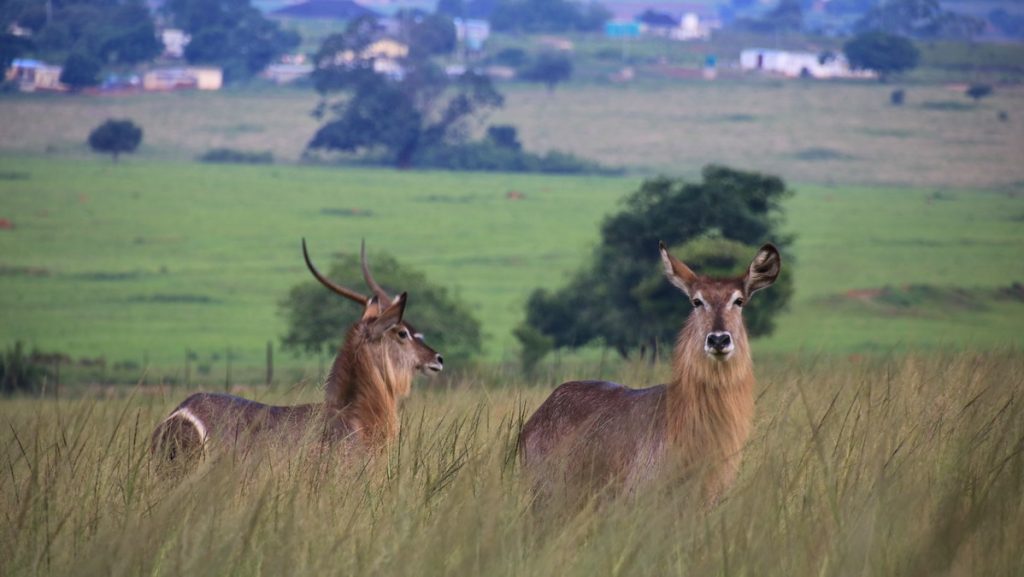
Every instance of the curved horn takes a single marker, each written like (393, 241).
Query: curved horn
(345, 292)
(382, 295)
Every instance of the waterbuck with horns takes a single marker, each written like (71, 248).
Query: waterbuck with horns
(596, 434)
(372, 372)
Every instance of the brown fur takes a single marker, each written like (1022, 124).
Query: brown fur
(372, 372)
(590, 434)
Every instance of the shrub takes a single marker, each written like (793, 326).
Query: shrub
(80, 71)
(977, 91)
(19, 372)
(115, 137)
(232, 156)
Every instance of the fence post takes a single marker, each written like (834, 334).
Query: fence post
(227, 372)
(270, 362)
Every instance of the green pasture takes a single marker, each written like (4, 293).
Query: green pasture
(139, 261)
(814, 132)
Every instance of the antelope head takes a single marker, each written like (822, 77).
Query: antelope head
(382, 336)
(716, 323)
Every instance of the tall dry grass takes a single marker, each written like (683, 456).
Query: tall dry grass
(908, 465)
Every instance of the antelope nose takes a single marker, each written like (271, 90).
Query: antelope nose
(719, 341)
(440, 360)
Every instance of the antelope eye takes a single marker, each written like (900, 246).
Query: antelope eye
(697, 303)
(403, 334)
(738, 302)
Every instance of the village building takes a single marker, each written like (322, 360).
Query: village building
(183, 78)
(385, 54)
(800, 64)
(286, 73)
(34, 75)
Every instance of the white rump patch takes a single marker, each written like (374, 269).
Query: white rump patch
(191, 417)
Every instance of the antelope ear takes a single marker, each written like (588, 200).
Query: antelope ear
(764, 269)
(677, 273)
(372, 308)
(390, 317)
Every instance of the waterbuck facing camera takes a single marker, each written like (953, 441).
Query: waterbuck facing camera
(371, 373)
(592, 434)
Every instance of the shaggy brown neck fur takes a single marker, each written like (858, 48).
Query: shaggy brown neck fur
(365, 388)
(710, 403)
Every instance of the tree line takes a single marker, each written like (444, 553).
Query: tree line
(618, 298)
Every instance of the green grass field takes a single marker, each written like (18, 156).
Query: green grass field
(138, 261)
(812, 132)
(905, 466)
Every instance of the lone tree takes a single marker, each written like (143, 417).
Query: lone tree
(549, 68)
(115, 137)
(977, 91)
(620, 298)
(883, 53)
(399, 114)
(314, 314)
(80, 71)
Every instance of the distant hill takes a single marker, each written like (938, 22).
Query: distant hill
(326, 9)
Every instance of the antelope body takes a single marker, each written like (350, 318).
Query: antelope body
(592, 434)
(372, 372)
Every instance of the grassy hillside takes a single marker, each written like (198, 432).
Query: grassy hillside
(139, 261)
(806, 131)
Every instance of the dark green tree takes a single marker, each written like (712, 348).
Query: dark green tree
(80, 71)
(397, 114)
(231, 34)
(978, 90)
(430, 35)
(109, 31)
(317, 319)
(918, 18)
(883, 53)
(619, 298)
(549, 68)
(20, 372)
(12, 47)
(115, 137)
(505, 136)
(547, 16)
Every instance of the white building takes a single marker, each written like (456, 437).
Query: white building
(191, 77)
(691, 27)
(797, 64)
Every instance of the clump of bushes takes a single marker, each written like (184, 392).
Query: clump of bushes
(21, 372)
(502, 151)
(233, 156)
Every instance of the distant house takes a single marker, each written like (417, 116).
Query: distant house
(183, 78)
(286, 73)
(385, 54)
(799, 64)
(386, 48)
(32, 75)
(175, 40)
(693, 27)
